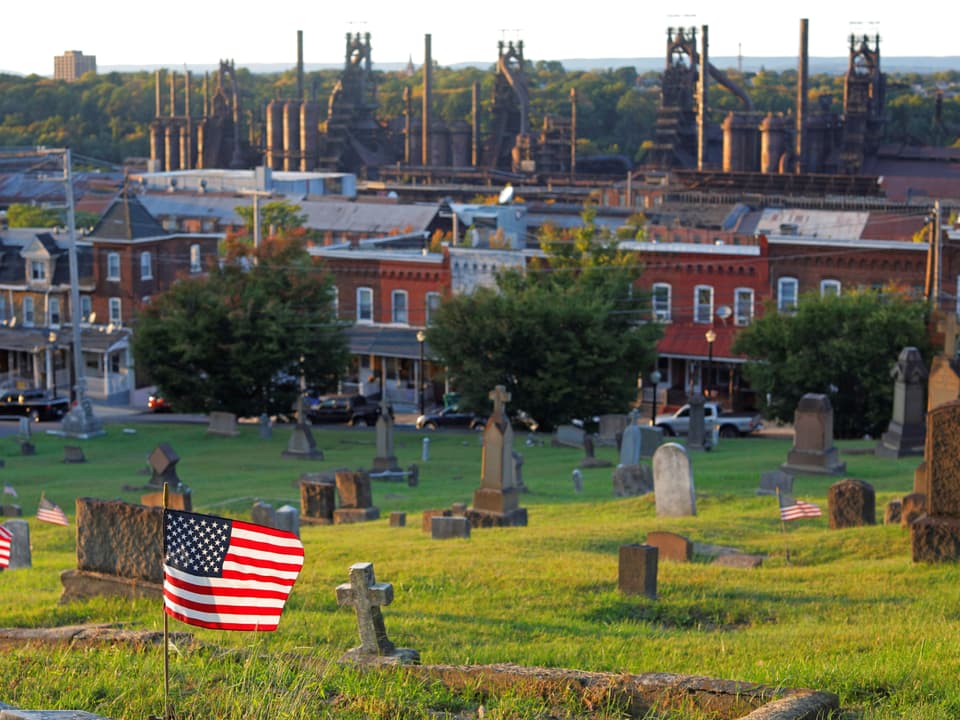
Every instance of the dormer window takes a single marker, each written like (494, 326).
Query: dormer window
(38, 270)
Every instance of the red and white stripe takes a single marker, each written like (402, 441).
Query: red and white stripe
(6, 544)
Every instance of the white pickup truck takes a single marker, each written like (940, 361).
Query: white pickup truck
(730, 424)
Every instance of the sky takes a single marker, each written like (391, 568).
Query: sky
(175, 33)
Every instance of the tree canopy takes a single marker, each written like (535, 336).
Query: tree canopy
(239, 339)
(567, 338)
(841, 346)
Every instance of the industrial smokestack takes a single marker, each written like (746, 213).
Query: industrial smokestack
(157, 92)
(702, 114)
(427, 77)
(475, 124)
(299, 64)
(173, 94)
(573, 131)
(802, 72)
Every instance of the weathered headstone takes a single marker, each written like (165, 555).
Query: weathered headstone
(637, 571)
(673, 482)
(590, 459)
(73, 454)
(650, 439)
(20, 544)
(367, 596)
(697, 438)
(577, 480)
(317, 502)
(11, 511)
(264, 427)
(568, 436)
(912, 507)
(852, 503)
(630, 445)
(413, 475)
(738, 560)
(893, 512)
(287, 518)
(671, 546)
(943, 384)
(632, 480)
(356, 498)
(813, 451)
(301, 445)
(263, 513)
(163, 466)
(386, 459)
(496, 501)
(427, 516)
(518, 472)
(936, 536)
(610, 426)
(24, 430)
(907, 430)
(119, 551)
(398, 519)
(27, 448)
(774, 481)
(444, 527)
(222, 424)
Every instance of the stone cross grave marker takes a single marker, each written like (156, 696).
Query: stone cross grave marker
(386, 459)
(497, 496)
(163, 465)
(366, 596)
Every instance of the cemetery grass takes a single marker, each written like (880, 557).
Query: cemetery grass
(850, 613)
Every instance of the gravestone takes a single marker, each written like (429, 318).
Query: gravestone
(697, 438)
(632, 480)
(317, 502)
(852, 503)
(27, 448)
(813, 451)
(774, 481)
(427, 516)
(637, 570)
(671, 546)
(568, 436)
(263, 514)
(119, 551)
(73, 454)
(673, 482)
(630, 445)
(496, 501)
(935, 536)
(398, 519)
(367, 596)
(287, 518)
(893, 512)
(163, 466)
(590, 459)
(912, 507)
(356, 498)
(24, 430)
(386, 459)
(264, 427)
(738, 560)
(223, 424)
(301, 445)
(907, 430)
(650, 439)
(943, 383)
(180, 498)
(11, 511)
(445, 527)
(19, 545)
(577, 480)
(610, 426)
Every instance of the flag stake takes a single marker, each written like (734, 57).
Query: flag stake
(166, 624)
(783, 529)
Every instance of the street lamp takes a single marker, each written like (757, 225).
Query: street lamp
(421, 337)
(711, 336)
(52, 339)
(655, 379)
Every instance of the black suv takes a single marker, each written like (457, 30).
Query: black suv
(352, 409)
(36, 404)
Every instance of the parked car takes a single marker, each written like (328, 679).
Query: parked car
(352, 409)
(451, 417)
(158, 404)
(730, 424)
(36, 404)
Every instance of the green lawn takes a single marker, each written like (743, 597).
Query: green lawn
(850, 614)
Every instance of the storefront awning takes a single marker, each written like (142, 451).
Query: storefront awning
(385, 341)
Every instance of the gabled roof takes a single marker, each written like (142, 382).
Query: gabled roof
(127, 219)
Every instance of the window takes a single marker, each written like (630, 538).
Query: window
(787, 294)
(743, 306)
(829, 288)
(116, 317)
(38, 270)
(364, 305)
(113, 266)
(146, 266)
(195, 265)
(399, 306)
(28, 311)
(53, 310)
(703, 304)
(3, 308)
(86, 308)
(661, 302)
(432, 304)
(335, 301)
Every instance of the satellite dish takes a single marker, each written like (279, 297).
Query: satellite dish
(724, 311)
(506, 195)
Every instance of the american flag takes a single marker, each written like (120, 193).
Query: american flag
(6, 541)
(8, 490)
(227, 574)
(791, 509)
(51, 513)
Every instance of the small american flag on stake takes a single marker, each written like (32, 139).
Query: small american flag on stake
(791, 509)
(227, 574)
(6, 542)
(51, 513)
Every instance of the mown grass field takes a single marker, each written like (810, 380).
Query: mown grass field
(850, 614)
